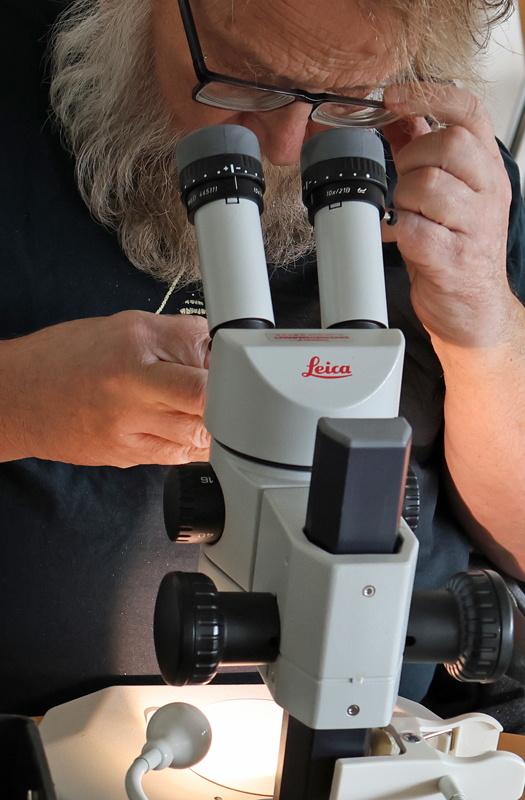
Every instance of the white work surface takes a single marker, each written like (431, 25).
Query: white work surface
(91, 742)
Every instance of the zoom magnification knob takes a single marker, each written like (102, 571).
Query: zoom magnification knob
(193, 504)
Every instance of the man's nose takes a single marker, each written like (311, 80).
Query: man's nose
(281, 133)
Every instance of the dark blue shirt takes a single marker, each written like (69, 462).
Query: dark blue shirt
(83, 549)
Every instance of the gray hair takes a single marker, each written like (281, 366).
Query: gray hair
(105, 96)
(447, 34)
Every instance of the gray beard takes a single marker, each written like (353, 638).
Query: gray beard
(106, 99)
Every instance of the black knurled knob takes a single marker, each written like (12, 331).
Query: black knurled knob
(193, 504)
(187, 628)
(196, 628)
(412, 501)
(487, 629)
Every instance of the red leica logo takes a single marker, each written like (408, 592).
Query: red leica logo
(318, 370)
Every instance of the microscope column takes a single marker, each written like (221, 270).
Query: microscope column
(354, 505)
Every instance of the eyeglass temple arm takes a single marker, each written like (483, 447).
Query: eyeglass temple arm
(193, 39)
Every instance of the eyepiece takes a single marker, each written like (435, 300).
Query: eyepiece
(217, 140)
(222, 185)
(340, 165)
(219, 162)
(339, 143)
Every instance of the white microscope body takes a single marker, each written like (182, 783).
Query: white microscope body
(343, 615)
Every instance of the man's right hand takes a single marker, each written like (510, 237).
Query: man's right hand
(116, 391)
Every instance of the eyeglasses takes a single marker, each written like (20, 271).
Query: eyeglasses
(235, 94)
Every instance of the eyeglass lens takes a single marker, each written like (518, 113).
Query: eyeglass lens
(246, 98)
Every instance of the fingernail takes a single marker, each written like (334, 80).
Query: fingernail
(390, 217)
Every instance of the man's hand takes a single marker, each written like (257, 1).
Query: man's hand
(453, 199)
(119, 391)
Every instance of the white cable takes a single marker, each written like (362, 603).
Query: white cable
(134, 779)
(450, 789)
(138, 769)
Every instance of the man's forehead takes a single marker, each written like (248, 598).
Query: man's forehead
(307, 41)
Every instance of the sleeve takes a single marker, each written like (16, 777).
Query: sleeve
(516, 236)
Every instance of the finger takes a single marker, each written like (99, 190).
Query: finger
(421, 241)
(175, 386)
(182, 340)
(177, 427)
(440, 197)
(447, 149)
(403, 131)
(148, 449)
(447, 104)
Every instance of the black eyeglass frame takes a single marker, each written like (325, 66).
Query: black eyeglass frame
(206, 76)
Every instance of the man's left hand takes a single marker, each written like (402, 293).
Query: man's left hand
(452, 200)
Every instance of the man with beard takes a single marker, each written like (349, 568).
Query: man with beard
(103, 351)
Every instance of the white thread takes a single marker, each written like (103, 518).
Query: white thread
(167, 296)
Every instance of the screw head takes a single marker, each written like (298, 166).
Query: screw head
(369, 591)
(412, 738)
(353, 710)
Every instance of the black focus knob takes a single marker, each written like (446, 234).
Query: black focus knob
(487, 627)
(186, 628)
(193, 504)
(196, 628)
